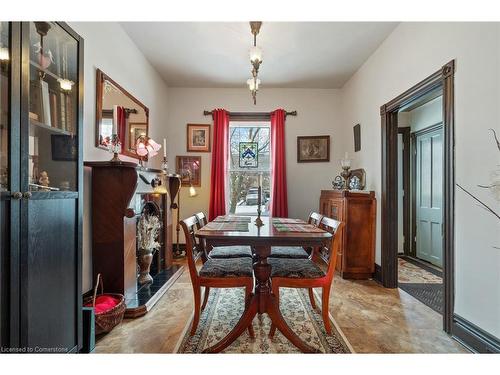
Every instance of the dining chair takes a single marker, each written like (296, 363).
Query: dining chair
(214, 273)
(304, 273)
(222, 252)
(297, 252)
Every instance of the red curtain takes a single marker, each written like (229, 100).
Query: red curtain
(279, 197)
(219, 161)
(121, 124)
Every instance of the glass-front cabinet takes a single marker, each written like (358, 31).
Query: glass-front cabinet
(53, 108)
(41, 172)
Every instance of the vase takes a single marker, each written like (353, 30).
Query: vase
(144, 260)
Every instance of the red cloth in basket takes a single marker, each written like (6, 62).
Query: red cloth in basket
(103, 303)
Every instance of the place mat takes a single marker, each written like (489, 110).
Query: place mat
(225, 307)
(231, 218)
(286, 220)
(300, 228)
(223, 226)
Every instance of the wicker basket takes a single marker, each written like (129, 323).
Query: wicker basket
(105, 321)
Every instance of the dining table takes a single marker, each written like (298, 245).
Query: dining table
(231, 230)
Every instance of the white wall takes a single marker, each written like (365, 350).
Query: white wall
(319, 113)
(411, 53)
(109, 48)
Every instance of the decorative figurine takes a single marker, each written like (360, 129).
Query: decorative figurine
(338, 183)
(44, 179)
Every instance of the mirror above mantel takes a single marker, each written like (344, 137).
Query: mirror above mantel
(118, 111)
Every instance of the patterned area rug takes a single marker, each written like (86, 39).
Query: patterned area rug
(411, 273)
(225, 307)
(429, 294)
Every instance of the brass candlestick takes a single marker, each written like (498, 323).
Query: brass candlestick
(346, 173)
(258, 220)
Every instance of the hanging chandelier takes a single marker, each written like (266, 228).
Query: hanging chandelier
(255, 60)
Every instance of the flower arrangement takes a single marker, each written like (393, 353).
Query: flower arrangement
(148, 229)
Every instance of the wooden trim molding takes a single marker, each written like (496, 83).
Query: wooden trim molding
(473, 337)
(377, 275)
(405, 133)
(444, 78)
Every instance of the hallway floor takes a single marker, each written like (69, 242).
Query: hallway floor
(374, 320)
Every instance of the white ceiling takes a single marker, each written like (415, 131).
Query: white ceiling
(295, 54)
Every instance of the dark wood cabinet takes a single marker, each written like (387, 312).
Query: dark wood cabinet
(356, 257)
(41, 176)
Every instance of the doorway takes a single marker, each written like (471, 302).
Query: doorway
(420, 199)
(442, 82)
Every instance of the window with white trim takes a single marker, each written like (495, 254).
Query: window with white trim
(249, 158)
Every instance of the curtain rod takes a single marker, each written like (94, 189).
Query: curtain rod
(251, 115)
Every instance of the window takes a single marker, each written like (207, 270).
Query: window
(249, 158)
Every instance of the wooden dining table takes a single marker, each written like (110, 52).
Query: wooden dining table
(237, 230)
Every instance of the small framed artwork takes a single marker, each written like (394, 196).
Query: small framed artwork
(189, 167)
(314, 148)
(198, 138)
(357, 137)
(249, 154)
(137, 129)
(64, 147)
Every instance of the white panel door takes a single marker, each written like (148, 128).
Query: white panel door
(429, 200)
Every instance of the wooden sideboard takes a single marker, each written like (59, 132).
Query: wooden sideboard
(356, 257)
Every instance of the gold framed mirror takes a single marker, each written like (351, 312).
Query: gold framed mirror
(118, 112)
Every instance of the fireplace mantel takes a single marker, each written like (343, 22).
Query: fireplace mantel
(120, 191)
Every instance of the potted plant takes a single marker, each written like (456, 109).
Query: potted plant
(148, 229)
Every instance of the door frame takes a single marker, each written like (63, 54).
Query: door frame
(443, 78)
(406, 135)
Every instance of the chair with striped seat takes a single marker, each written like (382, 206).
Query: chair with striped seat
(305, 273)
(297, 252)
(222, 252)
(214, 273)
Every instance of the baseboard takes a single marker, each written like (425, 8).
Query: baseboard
(473, 337)
(377, 275)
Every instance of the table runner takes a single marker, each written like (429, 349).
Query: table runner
(224, 226)
(233, 218)
(286, 220)
(290, 227)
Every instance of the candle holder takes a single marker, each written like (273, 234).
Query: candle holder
(164, 165)
(258, 220)
(115, 147)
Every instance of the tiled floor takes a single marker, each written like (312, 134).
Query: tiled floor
(374, 320)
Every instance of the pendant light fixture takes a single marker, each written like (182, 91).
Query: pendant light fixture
(255, 60)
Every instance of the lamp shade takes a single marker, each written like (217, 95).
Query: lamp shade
(141, 149)
(4, 54)
(65, 84)
(256, 54)
(253, 85)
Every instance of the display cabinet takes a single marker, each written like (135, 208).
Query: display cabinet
(41, 172)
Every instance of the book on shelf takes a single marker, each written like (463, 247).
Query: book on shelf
(45, 103)
(53, 109)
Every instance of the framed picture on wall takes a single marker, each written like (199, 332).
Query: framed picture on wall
(357, 137)
(315, 148)
(189, 167)
(137, 129)
(198, 137)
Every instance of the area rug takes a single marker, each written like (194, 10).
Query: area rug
(225, 307)
(429, 294)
